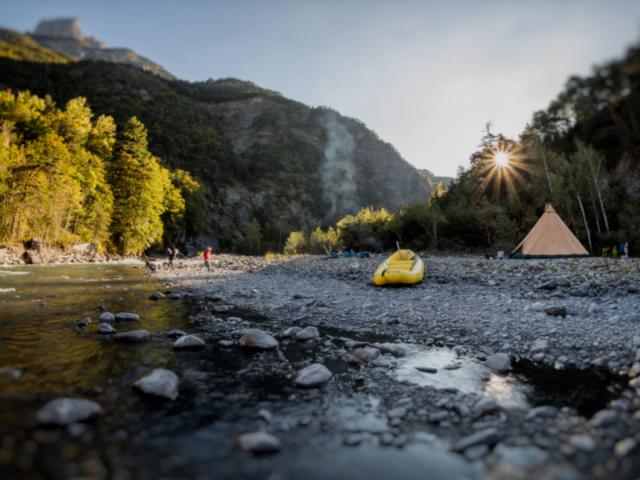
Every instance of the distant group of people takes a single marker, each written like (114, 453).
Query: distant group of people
(615, 251)
(173, 252)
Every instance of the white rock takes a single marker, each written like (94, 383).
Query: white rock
(254, 338)
(160, 382)
(126, 317)
(107, 317)
(291, 331)
(308, 333)
(258, 442)
(188, 342)
(106, 329)
(64, 411)
(313, 376)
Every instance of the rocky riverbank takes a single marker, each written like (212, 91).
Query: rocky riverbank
(34, 252)
(562, 334)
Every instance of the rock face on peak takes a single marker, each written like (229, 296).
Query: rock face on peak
(64, 35)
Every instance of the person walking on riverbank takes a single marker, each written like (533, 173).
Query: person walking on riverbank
(206, 256)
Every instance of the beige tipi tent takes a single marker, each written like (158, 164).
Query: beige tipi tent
(550, 237)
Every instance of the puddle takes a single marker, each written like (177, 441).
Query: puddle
(528, 384)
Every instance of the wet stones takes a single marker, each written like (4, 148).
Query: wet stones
(107, 317)
(134, 336)
(499, 362)
(157, 296)
(582, 442)
(543, 411)
(313, 376)
(556, 311)
(623, 447)
(83, 322)
(106, 329)
(126, 317)
(539, 345)
(188, 342)
(291, 331)
(160, 383)
(226, 343)
(175, 333)
(65, 411)
(427, 369)
(308, 333)
(604, 418)
(258, 339)
(258, 442)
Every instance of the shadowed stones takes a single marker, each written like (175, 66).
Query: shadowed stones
(308, 333)
(65, 411)
(157, 296)
(126, 317)
(189, 342)
(107, 317)
(258, 442)
(105, 329)
(258, 339)
(312, 376)
(160, 383)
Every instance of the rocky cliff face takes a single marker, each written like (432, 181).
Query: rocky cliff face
(64, 35)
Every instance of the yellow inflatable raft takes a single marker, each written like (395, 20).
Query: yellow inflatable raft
(403, 266)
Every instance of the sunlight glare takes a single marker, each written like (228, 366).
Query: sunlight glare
(502, 158)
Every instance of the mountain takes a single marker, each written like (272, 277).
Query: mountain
(64, 35)
(262, 158)
(446, 181)
(18, 46)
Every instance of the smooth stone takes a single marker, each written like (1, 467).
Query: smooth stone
(13, 373)
(488, 437)
(160, 382)
(635, 383)
(255, 338)
(175, 296)
(624, 446)
(107, 317)
(265, 415)
(157, 296)
(556, 311)
(539, 345)
(65, 411)
(427, 369)
(476, 452)
(188, 342)
(398, 412)
(499, 362)
(308, 333)
(543, 411)
(175, 333)
(364, 355)
(485, 407)
(582, 442)
(134, 336)
(258, 442)
(313, 376)
(126, 317)
(291, 331)
(603, 418)
(106, 329)
(226, 343)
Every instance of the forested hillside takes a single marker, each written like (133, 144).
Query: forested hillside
(266, 164)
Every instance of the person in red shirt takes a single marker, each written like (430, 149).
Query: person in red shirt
(206, 255)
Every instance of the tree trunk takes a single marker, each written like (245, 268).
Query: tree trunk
(546, 170)
(595, 210)
(595, 182)
(584, 218)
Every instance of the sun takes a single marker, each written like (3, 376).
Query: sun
(502, 158)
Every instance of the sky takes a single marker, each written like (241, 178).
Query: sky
(425, 75)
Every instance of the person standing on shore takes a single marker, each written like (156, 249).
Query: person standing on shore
(206, 256)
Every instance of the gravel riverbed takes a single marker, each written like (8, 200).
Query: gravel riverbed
(562, 334)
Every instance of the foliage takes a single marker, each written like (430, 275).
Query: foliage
(296, 243)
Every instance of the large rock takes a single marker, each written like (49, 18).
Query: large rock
(313, 376)
(126, 317)
(188, 342)
(255, 338)
(258, 442)
(499, 362)
(308, 333)
(160, 382)
(134, 336)
(64, 411)
(107, 317)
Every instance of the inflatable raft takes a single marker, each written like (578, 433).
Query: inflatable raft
(403, 266)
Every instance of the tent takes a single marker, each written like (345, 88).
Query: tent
(550, 237)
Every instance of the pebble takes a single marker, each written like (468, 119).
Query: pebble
(105, 329)
(313, 376)
(583, 442)
(126, 317)
(133, 336)
(603, 418)
(265, 415)
(291, 331)
(308, 333)
(364, 355)
(83, 322)
(65, 411)
(175, 296)
(623, 447)
(255, 338)
(157, 296)
(543, 411)
(175, 333)
(258, 442)
(427, 369)
(499, 362)
(556, 311)
(160, 382)
(488, 437)
(226, 343)
(107, 317)
(188, 342)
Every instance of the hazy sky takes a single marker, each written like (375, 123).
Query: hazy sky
(424, 75)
